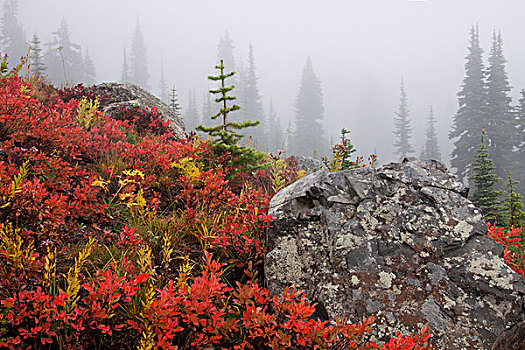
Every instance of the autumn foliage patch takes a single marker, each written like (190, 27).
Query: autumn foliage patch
(113, 235)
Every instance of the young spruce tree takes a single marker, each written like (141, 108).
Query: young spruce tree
(36, 59)
(485, 195)
(403, 130)
(225, 136)
(126, 74)
(512, 205)
(163, 85)
(275, 131)
(309, 137)
(252, 105)
(139, 61)
(191, 114)
(174, 101)
(431, 147)
(89, 74)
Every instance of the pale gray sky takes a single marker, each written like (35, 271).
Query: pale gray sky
(360, 49)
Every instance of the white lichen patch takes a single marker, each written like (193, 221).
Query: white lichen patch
(449, 303)
(348, 240)
(464, 229)
(424, 254)
(355, 280)
(287, 260)
(386, 278)
(492, 269)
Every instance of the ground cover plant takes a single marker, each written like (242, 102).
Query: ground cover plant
(113, 235)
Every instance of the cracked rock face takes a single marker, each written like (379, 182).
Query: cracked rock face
(401, 243)
(127, 94)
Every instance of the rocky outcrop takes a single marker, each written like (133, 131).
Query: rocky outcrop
(401, 243)
(309, 164)
(118, 95)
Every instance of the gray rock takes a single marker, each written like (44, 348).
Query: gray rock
(400, 242)
(309, 164)
(127, 94)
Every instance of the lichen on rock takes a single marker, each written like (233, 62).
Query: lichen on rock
(401, 242)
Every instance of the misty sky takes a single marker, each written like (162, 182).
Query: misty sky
(359, 48)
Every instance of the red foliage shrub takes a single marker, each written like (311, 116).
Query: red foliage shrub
(512, 241)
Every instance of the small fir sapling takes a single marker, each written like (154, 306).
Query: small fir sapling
(341, 153)
(225, 135)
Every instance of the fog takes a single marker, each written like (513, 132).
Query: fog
(360, 49)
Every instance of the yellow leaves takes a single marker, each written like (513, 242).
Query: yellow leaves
(86, 112)
(13, 247)
(147, 341)
(131, 177)
(16, 185)
(188, 168)
(144, 259)
(50, 269)
(278, 179)
(167, 248)
(184, 272)
(100, 183)
(73, 285)
(336, 163)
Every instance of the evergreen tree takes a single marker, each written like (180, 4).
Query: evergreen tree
(500, 117)
(345, 150)
(36, 60)
(207, 107)
(90, 75)
(53, 62)
(12, 35)
(226, 139)
(191, 114)
(163, 86)
(252, 105)
(64, 58)
(139, 62)
(471, 115)
(240, 80)
(403, 130)
(431, 147)
(485, 195)
(513, 213)
(275, 131)
(174, 101)
(126, 74)
(519, 156)
(308, 137)
(225, 51)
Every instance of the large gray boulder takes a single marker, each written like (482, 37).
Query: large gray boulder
(120, 94)
(401, 243)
